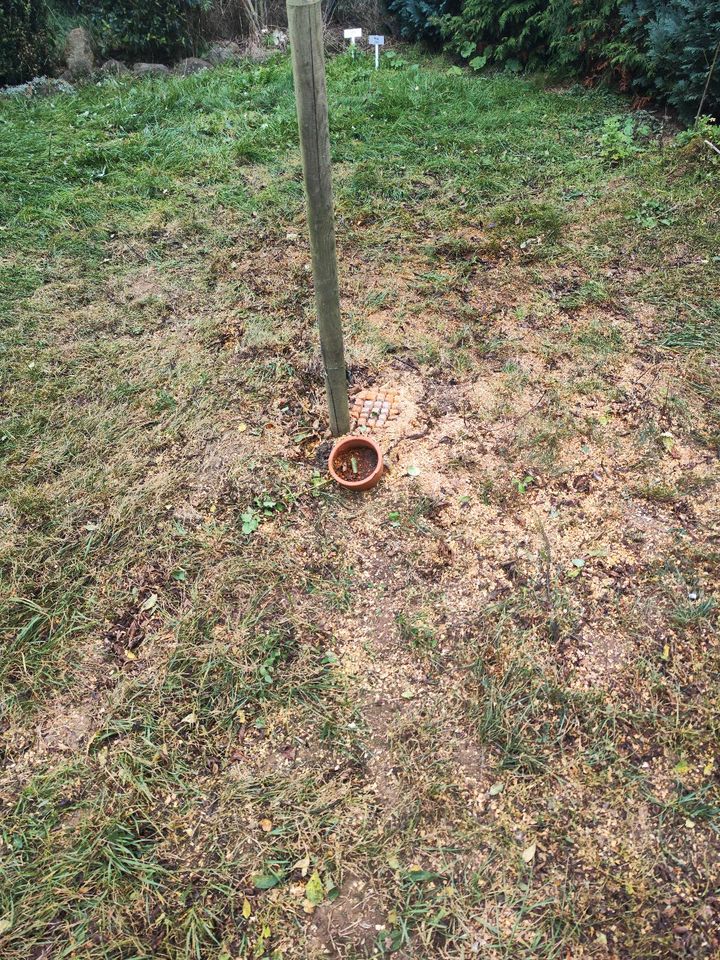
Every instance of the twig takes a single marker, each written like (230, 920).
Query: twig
(712, 146)
(547, 571)
(707, 82)
(547, 559)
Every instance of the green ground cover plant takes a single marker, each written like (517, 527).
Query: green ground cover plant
(472, 713)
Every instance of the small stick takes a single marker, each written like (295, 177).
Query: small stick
(547, 566)
(712, 146)
(707, 83)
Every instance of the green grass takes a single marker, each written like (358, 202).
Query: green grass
(486, 692)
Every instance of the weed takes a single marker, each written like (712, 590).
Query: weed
(697, 611)
(617, 141)
(415, 630)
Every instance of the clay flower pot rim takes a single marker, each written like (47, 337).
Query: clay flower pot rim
(352, 442)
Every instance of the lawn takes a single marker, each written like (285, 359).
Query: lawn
(471, 713)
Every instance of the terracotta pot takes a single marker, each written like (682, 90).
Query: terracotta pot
(345, 446)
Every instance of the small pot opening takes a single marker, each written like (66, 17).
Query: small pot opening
(355, 464)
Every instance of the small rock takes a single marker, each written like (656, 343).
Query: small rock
(257, 52)
(78, 53)
(187, 514)
(224, 52)
(191, 65)
(150, 69)
(39, 87)
(114, 68)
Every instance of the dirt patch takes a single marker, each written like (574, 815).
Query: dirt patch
(61, 732)
(68, 730)
(351, 924)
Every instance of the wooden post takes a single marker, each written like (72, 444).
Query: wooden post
(306, 43)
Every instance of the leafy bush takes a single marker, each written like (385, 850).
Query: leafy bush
(24, 42)
(418, 19)
(585, 36)
(678, 40)
(506, 32)
(144, 28)
(568, 35)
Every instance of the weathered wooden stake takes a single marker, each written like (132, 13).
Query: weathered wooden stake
(306, 43)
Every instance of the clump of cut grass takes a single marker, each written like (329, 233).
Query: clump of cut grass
(659, 492)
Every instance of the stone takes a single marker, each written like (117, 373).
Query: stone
(191, 65)
(150, 69)
(258, 52)
(226, 51)
(39, 87)
(114, 68)
(78, 53)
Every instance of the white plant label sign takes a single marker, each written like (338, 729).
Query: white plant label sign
(352, 34)
(377, 41)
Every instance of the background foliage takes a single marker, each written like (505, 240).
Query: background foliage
(418, 19)
(143, 28)
(678, 40)
(24, 44)
(660, 49)
(663, 49)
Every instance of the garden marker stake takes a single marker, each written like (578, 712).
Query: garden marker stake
(377, 42)
(353, 34)
(308, 59)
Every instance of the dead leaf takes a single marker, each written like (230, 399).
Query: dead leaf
(529, 853)
(302, 865)
(150, 603)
